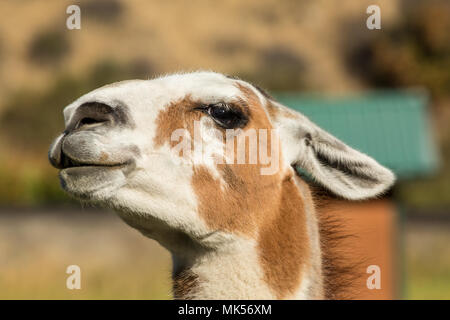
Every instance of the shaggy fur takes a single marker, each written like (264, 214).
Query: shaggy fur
(340, 273)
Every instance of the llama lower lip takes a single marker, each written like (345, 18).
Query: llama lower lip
(88, 169)
(85, 181)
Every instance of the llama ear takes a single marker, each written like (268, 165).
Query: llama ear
(339, 168)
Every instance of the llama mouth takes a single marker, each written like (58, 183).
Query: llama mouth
(70, 163)
(87, 181)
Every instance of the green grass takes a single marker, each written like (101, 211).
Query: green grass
(428, 262)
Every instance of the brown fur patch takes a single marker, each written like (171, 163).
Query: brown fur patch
(178, 115)
(274, 111)
(248, 196)
(267, 208)
(244, 203)
(184, 283)
(284, 242)
(339, 271)
(103, 156)
(259, 206)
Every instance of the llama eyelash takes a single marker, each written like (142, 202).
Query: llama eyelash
(226, 116)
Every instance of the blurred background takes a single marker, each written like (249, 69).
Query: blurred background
(386, 92)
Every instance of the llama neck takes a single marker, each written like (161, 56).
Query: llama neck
(231, 273)
(282, 263)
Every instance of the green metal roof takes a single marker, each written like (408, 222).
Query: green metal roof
(392, 127)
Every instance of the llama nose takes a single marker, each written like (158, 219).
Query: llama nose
(91, 115)
(88, 116)
(57, 157)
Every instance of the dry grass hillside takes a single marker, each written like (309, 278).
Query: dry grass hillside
(321, 46)
(241, 37)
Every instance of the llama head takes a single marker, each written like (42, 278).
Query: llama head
(181, 157)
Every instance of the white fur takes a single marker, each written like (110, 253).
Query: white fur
(232, 272)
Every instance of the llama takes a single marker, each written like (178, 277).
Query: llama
(233, 232)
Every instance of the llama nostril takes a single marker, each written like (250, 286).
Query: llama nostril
(88, 121)
(91, 115)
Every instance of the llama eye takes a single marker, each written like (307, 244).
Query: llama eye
(226, 116)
